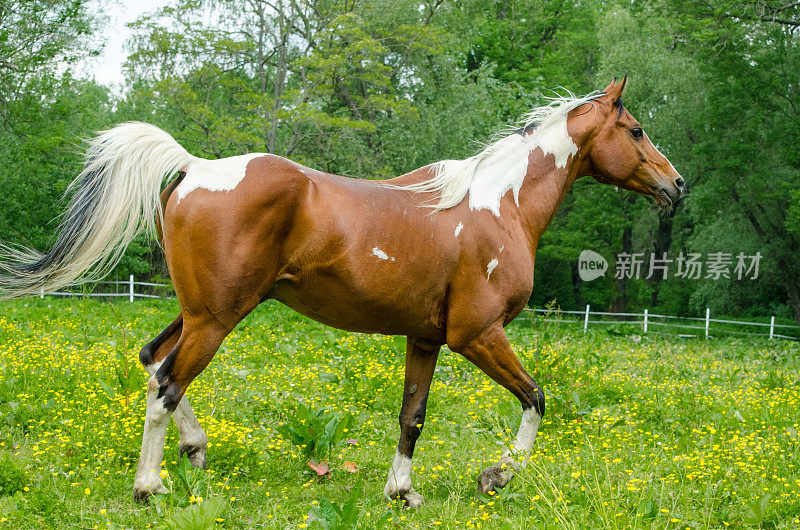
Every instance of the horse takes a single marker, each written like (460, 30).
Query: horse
(442, 255)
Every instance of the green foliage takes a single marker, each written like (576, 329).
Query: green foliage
(316, 432)
(332, 516)
(197, 516)
(12, 475)
(691, 430)
(376, 89)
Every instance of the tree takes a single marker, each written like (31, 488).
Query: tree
(37, 39)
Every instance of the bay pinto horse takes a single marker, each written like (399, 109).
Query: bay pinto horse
(442, 255)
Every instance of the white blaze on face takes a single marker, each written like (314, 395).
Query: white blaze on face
(381, 254)
(399, 476)
(458, 229)
(490, 267)
(214, 175)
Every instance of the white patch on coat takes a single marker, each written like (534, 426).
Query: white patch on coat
(502, 165)
(223, 174)
(399, 476)
(507, 166)
(458, 229)
(490, 267)
(381, 254)
(501, 248)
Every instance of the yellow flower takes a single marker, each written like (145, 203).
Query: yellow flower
(87, 491)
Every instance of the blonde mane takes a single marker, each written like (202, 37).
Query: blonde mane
(502, 165)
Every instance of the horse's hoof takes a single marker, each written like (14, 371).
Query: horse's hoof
(142, 495)
(493, 478)
(195, 453)
(410, 498)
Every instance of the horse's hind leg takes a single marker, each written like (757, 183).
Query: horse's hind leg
(199, 340)
(193, 439)
(420, 363)
(492, 353)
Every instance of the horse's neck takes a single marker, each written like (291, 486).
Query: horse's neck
(542, 193)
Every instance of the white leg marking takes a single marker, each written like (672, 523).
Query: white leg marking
(192, 434)
(148, 477)
(399, 476)
(193, 438)
(526, 435)
(498, 475)
(153, 368)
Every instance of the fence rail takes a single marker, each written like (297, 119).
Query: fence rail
(130, 293)
(698, 325)
(644, 319)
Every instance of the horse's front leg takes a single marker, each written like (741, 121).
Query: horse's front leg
(420, 362)
(492, 353)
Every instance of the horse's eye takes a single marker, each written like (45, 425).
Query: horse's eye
(637, 132)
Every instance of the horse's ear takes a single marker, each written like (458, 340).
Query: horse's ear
(610, 86)
(615, 91)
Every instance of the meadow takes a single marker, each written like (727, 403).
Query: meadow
(640, 431)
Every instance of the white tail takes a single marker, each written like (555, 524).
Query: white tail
(114, 198)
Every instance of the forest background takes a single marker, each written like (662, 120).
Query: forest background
(373, 89)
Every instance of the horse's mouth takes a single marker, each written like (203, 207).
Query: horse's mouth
(663, 200)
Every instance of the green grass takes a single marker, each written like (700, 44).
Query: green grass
(651, 434)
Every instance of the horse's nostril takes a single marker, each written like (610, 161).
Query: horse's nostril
(679, 183)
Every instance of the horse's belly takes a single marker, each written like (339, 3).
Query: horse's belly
(335, 304)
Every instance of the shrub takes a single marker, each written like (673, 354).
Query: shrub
(12, 476)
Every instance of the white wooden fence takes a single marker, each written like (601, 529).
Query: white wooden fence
(647, 321)
(695, 325)
(128, 291)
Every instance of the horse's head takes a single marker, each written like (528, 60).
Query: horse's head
(620, 153)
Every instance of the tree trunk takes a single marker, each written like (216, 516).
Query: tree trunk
(661, 246)
(794, 298)
(620, 302)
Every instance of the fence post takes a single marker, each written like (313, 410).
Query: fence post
(130, 285)
(41, 295)
(772, 327)
(708, 320)
(645, 320)
(586, 319)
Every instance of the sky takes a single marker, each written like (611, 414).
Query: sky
(107, 68)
